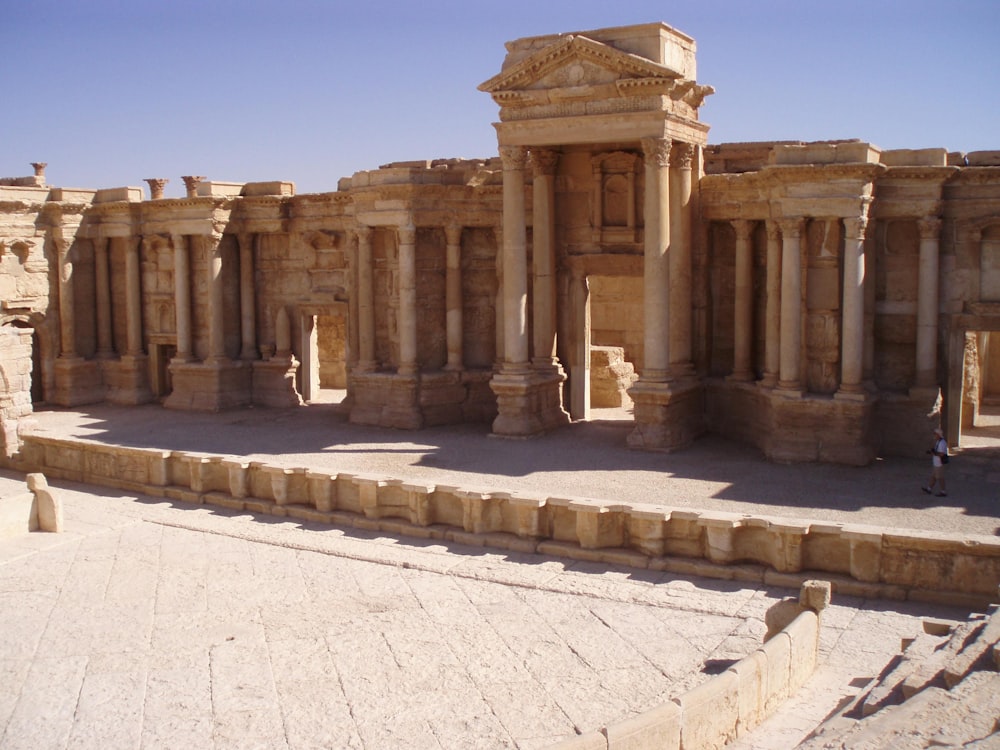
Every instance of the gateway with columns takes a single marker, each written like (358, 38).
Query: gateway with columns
(823, 301)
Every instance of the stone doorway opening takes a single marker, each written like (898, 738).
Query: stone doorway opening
(325, 350)
(615, 345)
(972, 395)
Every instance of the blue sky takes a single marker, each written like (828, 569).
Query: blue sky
(109, 92)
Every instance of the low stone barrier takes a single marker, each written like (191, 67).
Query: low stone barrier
(859, 560)
(728, 705)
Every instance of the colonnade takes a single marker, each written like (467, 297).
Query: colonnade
(783, 313)
(408, 310)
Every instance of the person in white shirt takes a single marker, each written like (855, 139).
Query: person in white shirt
(939, 457)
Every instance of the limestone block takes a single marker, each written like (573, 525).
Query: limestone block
(646, 530)
(720, 536)
(47, 504)
(815, 595)
(751, 673)
(320, 485)
(865, 553)
(658, 728)
(238, 474)
(418, 500)
(447, 506)
(530, 515)
(17, 514)
(965, 660)
(368, 488)
(710, 713)
(684, 535)
(777, 651)
(597, 525)
(803, 634)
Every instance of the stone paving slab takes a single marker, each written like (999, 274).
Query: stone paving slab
(152, 624)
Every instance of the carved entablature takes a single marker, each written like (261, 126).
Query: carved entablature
(616, 176)
(573, 75)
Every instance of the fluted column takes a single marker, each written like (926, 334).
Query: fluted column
(743, 302)
(789, 377)
(133, 298)
(499, 322)
(453, 295)
(102, 287)
(772, 307)
(515, 259)
(182, 297)
(543, 162)
(407, 300)
(216, 300)
(656, 264)
(366, 301)
(680, 259)
(852, 328)
(927, 302)
(248, 297)
(67, 322)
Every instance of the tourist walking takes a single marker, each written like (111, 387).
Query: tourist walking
(939, 457)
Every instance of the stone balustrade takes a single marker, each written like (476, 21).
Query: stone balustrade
(859, 560)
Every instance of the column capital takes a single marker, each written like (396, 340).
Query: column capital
(855, 227)
(929, 227)
(407, 234)
(792, 227)
(543, 161)
(191, 183)
(364, 233)
(773, 230)
(453, 233)
(683, 154)
(177, 240)
(513, 157)
(743, 227)
(156, 185)
(657, 151)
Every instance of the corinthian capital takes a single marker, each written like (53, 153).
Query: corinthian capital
(683, 154)
(657, 151)
(543, 161)
(929, 228)
(513, 157)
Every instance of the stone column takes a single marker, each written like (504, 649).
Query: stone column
(680, 260)
(191, 183)
(67, 322)
(656, 265)
(543, 211)
(743, 315)
(789, 377)
(453, 295)
(772, 308)
(248, 296)
(216, 300)
(498, 301)
(182, 297)
(515, 260)
(852, 326)
(366, 301)
(105, 345)
(133, 298)
(156, 185)
(927, 302)
(407, 300)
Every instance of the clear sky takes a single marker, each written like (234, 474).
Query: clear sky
(109, 92)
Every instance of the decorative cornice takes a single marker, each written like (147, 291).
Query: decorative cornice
(572, 46)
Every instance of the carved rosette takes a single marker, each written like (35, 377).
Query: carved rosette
(657, 151)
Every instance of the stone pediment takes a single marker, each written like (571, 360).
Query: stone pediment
(575, 62)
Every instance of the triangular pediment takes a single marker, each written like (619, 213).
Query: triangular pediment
(575, 61)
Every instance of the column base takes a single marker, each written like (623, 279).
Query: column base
(819, 428)
(209, 387)
(386, 399)
(529, 402)
(273, 382)
(77, 381)
(128, 380)
(668, 416)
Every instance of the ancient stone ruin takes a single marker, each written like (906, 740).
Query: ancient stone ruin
(823, 301)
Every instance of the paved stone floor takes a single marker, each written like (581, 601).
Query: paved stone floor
(149, 624)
